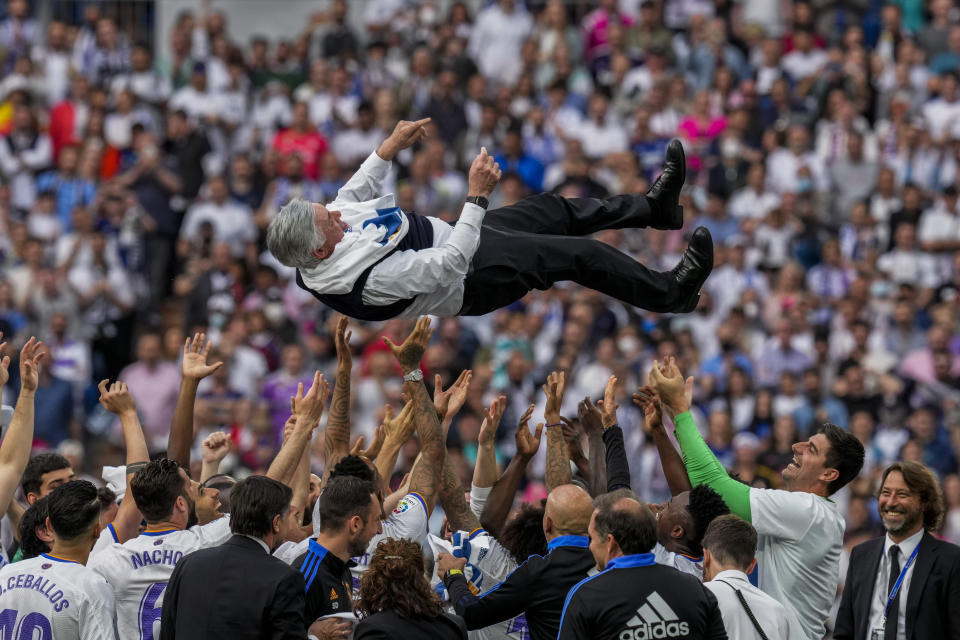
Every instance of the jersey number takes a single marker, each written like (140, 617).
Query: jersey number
(33, 626)
(150, 610)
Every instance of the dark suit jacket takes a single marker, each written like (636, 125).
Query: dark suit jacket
(387, 625)
(235, 591)
(933, 601)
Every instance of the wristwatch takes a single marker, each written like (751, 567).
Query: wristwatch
(414, 376)
(480, 201)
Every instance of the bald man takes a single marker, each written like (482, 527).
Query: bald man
(539, 586)
(633, 597)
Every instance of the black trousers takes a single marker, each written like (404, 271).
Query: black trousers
(540, 241)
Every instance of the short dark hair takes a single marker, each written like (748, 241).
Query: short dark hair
(845, 455)
(34, 517)
(106, 497)
(634, 531)
(73, 508)
(156, 488)
(39, 465)
(922, 482)
(523, 535)
(343, 498)
(705, 505)
(257, 500)
(224, 483)
(732, 540)
(354, 467)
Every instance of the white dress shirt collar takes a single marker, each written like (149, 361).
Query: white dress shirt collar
(260, 542)
(732, 575)
(906, 546)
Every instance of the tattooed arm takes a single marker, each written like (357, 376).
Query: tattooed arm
(558, 461)
(424, 477)
(336, 439)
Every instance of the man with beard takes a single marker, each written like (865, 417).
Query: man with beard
(907, 583)
(138, 570)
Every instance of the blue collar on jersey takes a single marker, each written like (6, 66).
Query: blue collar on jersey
(635, 560)
(568, 541)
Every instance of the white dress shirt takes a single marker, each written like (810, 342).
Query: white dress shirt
(770, 614)
(433, 276)
(880, 593)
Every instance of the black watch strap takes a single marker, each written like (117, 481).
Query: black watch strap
(480, 201)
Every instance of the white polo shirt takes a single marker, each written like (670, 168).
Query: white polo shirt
(770, 614)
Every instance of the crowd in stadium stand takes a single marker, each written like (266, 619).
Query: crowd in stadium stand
(823, 149)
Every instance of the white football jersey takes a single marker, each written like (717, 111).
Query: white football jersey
(51, 598)
(138, 571)
(409, 520)
(488, 564)
(679, 561)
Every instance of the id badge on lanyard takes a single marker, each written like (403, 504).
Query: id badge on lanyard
(878, 634)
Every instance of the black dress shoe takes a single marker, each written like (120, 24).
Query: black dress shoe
(693, 269)
(665, 192)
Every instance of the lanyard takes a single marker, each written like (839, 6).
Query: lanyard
(896, 586)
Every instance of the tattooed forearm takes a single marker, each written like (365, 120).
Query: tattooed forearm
(558, 459)
(425, 478)
(336, 443)
(459, 515)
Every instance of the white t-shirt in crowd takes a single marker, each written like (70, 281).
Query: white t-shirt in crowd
(55, 598)
(798, 555)
(770, 614)
(138, 571)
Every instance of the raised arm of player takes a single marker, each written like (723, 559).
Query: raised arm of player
(459, 513)
(425, 477)
(397, 429)
(117, 400)
(500, 500)
(213, 450)
(308, 409)
(558, 460)
(336, 439)
(15, 450)
(673, 468)
(701, 464)
(195, 369)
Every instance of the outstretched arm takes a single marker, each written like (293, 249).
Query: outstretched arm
(307, 409)
(397, 430)
(673, 468)
(425, 477)
(558, 462)
(213, 450)
(500, 500)
(118, 401)
(459, 513)
(195, 369)
(336, 439)
(367, 182)
(15, 449)
(702, 465)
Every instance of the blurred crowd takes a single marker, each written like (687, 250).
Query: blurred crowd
(823, 146)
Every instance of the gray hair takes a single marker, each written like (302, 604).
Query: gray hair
(293, 235)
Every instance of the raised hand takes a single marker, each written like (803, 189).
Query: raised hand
(411, 351)
(195, 354)
(215, 447)
(451, 401)
(342, 342)
(590, 417)
(484, 175)
(310, 406)
(401, 427)
(4, 363)
(668, 382)
(406, 134)
(571, 435)
(608, 406)
(116, 398)
(371, 452)
(553, 389)
(649, 402)
(30, 357)
(527, 443)
(491, 421)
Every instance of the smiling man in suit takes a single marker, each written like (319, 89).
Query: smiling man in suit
(905, 585)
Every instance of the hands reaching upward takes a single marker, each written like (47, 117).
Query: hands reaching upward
(195, 354)
(676, 394)
(309, 407)
(411, 351)
(528, 444)
(491, 421)
(215, 447)
(451, 401)
(116, 398)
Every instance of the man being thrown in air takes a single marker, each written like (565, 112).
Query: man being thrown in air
(368, 259)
